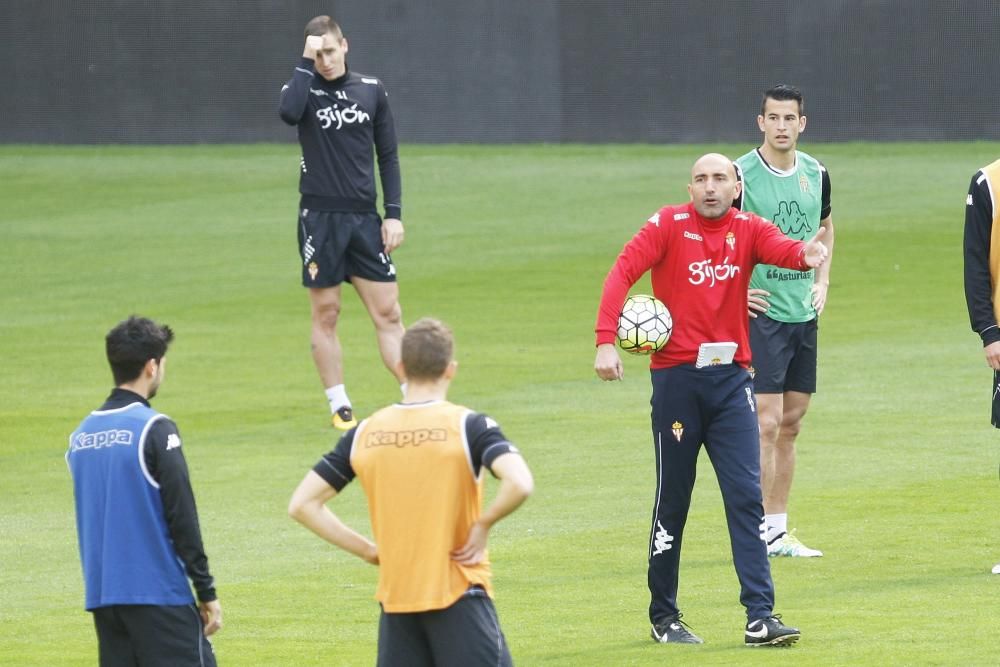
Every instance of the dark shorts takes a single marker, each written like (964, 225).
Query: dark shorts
(995, 413)
(133, 635)
(784, 355)
(466, 634)
(336, 245)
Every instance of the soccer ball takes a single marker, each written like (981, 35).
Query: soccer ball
(644, 325)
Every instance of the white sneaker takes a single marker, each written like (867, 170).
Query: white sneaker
(789, 545)
(996, 569)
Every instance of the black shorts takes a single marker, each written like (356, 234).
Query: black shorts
(168, 636)
(335, 245)
(466, 634)
(995, 412)
(784, 355)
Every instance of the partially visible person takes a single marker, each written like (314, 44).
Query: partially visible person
(421, 464)
(137, 524)
(344, 120)
(792, 189)
(700, 256)
(982, 272)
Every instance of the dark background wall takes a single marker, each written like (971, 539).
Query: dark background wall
(178, 71)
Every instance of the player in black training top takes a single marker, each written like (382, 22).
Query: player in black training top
(982, 272)
(343, 120)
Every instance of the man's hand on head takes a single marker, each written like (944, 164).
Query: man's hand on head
(314, 43)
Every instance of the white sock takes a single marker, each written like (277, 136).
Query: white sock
(776, 525)
(337, 396)
(402, 389)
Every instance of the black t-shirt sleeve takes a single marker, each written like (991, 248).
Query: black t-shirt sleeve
(387, 151)
(486, 441)
(165, 462)
(976, 252)
(335, 466)
(295, 93)
(738, 202)
(825, 208)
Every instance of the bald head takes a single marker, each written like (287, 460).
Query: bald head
(713, 162)
(713, 185)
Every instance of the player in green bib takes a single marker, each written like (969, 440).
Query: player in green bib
(792, 189)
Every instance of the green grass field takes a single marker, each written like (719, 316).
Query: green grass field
(897, 473)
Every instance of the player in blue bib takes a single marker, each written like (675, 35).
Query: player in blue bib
(137, 525)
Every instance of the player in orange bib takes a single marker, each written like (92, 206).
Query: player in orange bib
(421, 465)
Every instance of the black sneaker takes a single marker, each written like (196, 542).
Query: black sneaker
(672, 630)
(770, 631)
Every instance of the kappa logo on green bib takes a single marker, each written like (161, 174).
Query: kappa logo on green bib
(790, 219)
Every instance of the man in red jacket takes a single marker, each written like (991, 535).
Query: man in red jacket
(700, 256)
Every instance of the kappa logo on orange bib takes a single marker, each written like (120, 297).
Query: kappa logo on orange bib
(405, 438)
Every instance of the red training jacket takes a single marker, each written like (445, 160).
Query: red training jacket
(701, 270)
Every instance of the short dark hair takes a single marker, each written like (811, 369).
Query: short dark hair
(320, 25)
(132, 343)
(783, 92)
(427, 349)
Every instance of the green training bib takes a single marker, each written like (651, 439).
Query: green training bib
(793, 202)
